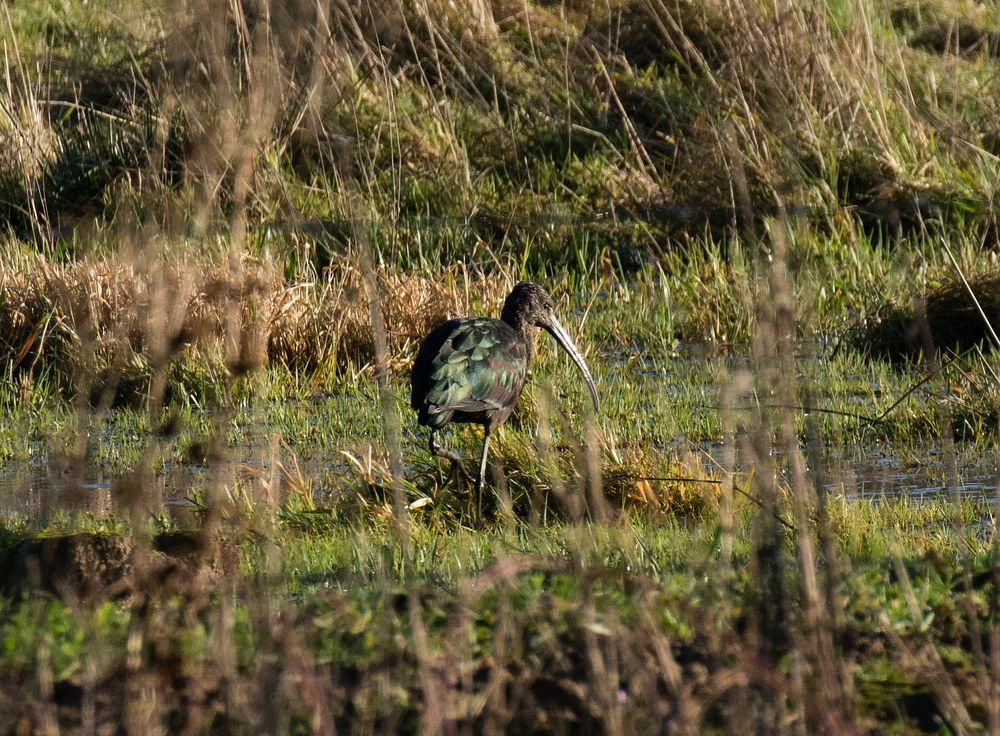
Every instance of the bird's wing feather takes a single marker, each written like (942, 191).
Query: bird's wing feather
(469, 406)
(471, 365)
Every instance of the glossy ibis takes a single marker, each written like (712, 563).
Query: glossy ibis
(472, 370)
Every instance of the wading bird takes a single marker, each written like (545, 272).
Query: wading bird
(472, 370)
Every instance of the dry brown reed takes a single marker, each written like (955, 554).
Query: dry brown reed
(117, 315)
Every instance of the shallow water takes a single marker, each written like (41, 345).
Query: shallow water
(40, 487)
(884, 469)
(921, 471)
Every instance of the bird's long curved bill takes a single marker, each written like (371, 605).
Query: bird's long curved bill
(566, 342)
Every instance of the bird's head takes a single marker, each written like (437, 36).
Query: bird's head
(529, 306)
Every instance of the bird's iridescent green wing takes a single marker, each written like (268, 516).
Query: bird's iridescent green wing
(480, 366)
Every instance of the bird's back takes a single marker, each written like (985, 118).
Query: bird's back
(468, 370)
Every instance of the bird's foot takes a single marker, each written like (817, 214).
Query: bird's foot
(459, 473)
(457, 469)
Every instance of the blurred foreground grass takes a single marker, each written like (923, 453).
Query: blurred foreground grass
(539, 629)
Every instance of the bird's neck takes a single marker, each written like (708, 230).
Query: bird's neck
(530, 335)
(525, 329)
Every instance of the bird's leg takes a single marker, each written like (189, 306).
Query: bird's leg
(456, 462)
(481, 480)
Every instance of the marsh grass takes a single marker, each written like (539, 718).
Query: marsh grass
(190, 116)
(597, 607)
(230, 224)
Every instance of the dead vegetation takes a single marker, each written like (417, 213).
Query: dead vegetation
(98, 322)
(951, 317)
(90, 568)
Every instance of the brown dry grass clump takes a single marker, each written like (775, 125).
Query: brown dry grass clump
(325, 322)
(94, 566)
(121, 321)
(128, 318)
(644, 484)
(946, 318)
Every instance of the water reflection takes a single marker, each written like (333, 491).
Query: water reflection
(921, 471)
(886, 469)
(40, 490)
